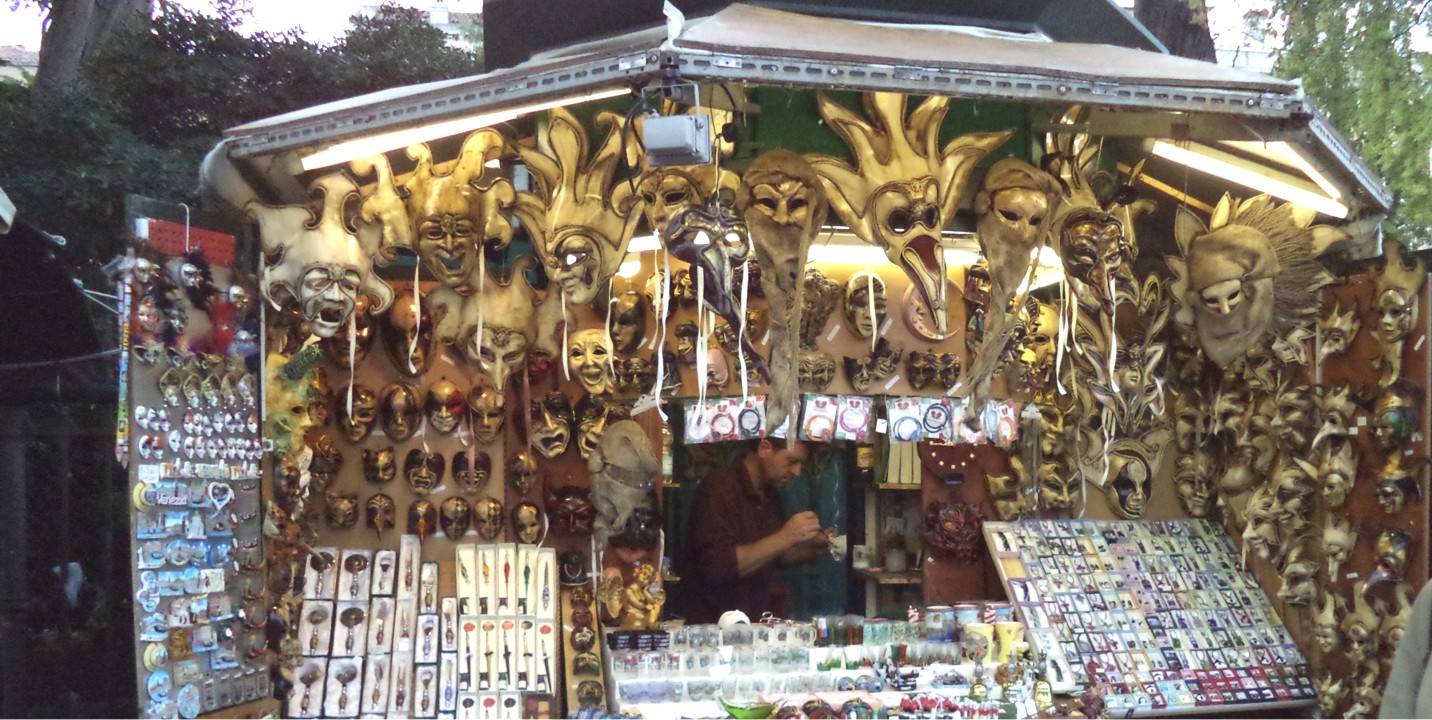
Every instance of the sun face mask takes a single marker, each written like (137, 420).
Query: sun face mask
(905, 186)
(316, 262)
(580, 219)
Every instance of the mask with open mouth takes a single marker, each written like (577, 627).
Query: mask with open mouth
(318, 262)
(589, 358)
(551, 425)
(905, 187)
(580, 219)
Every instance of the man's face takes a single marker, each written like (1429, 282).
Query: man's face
(779, 464)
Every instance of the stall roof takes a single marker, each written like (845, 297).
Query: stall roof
(743, 43)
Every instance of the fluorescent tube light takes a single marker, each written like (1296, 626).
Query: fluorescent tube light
(1236, 170)
(373, 144)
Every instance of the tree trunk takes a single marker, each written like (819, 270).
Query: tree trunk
(75, 30)
(1181, 25)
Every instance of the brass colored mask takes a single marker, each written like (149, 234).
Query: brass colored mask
(1360, 628)
(1397, 286)
(859, 291)
(1339, 537)
(1336, 408)
(1332, 690)
(422, 519)
(521, 472)
(488, 411)
(445, 406)
(337, 348)
(407, 331)
(816, 371)
(819, 296)
(1038, 349)
(471, 475)
(381, 513)
(580, 218)
(423, 470)
(400, 411)
(1299, 575)
(379, 466)
(1330, 613)
(905, 187)
(551, 425)
(1396, 486)
(1010, 211)
(1338, 330)
(1337, 472)
(488, 518)
(342, 510)
(628, 326)
(455, 516)
(454, 217)
(921, 369)
(1194, 482)
(528, 521)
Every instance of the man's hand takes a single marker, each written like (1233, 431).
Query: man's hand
(802, 527)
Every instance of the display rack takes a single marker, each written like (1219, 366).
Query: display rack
(1158, 616)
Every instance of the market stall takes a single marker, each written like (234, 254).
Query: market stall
(1070, 333)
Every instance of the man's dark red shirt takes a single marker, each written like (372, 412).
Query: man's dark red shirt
(728, 511)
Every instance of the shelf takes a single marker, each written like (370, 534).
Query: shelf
(892, 578)
(894, 486)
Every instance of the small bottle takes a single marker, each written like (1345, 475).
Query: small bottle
(864, 463)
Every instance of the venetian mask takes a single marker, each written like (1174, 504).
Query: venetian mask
(1194, 481)
(905, 186)
(571, 510)
(327, 461)
(1330, 613)
(1394, 624)
(683, 287)
(521, 472)
(422, 519)
(423, 470)
(667, 191)
(1360, 628)
(639, 374)
(342, 510)
(921, 369)
(859, 373)
(628, 326)
(445, 405)
(1397, 286)
(1339, 537)
(819, 295)
(1395, 486)
(1261, 533)
(1299, 574)
(1395, 416)
(382, 513)
(589, 358)
(1293, 419)
(1336, 408)
(551, 425)
(453, 216)
(1338, 330)
(1131, 476)
(623, 468)
(591, 422)
(379, 466)
(1040, 339)
(580, 219)
(487, 409)
(488, 518)
(355, 337)
(316, 261)
(1332, 689)
(472, 470)
(455, 516)
(1094, 247)
(400, 411)
(407, 331)
(948, 370)
(1010, 212)
(864, 303)
(1337, 471)
(527, 522)
(718, 370)
(1391, 554)
(1011, 500)
(815, 371)
(499, 352)
(686, 339)
(1057, 486)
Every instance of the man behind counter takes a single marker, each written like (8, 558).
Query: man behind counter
(739, 534)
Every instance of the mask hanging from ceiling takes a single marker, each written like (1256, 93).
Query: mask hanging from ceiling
(580, 219)
(905, 186)
(624, 470)
(784, 205)
(1397, 286)
(320, 262)
(1250, 275)
(494, 328)
(1011, 208)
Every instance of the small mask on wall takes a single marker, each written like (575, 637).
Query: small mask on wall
(423, 470)
(864, 304)
(359, 423)
(382, 513)
(407, 331)
(815, 371)
(487, 409)
(488, 518)
(551, 425)
(921, 369)
(589, 358)
(1338, 330)
(1395, 416)
(422, 519)
(1395, 302)
(455, 516)
(400, 411)
(471, 470)
(379, 466)
(628, 327)
(445, 406)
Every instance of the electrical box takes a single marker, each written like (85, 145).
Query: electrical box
(677, 140)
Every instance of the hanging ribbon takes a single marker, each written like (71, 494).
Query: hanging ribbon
(870, 305)
(702, 361)
(607, 329)
(665, 303)
(352, 355)
(741, 332)
(566, 371)
(417, 319)
(481, 288)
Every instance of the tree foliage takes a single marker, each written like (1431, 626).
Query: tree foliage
(1357, 61)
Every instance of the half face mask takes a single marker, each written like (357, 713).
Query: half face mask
(400, 412)
(342, 510)
(527, 522)
(423, 470)
(589, 358)
(580, 219)
(551, 425)
(864, 303)
(488, 518)
(571, 510)
(445, 406)
(379, 466)
(1011, 501)
(488, 410)
(1010, 211)
(316, 261)
(628, 326)
(471, 472)
(1338, 330)
(1057, 486)
(905, 186)
(381, 513)
(666, 192)
(1131, 476)
(455, 516)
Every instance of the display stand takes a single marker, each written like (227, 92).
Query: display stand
(1158, 617)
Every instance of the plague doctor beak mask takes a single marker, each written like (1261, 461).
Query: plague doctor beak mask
(322, 263)
(905, 186)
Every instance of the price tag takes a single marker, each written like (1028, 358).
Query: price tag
(891, 382)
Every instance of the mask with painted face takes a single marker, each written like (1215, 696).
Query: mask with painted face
(1395, 416)
(400, 411)
(589, 358)
(445, 406)
(422, 519)
(488, 518)
(359, 423)
(521, 472)
(922, 368)
(471, 473)
(455, 517)
(1396, 286)
(423, 470)
(1194, 482)
(686, 338)
(551, 425)
(529, 522)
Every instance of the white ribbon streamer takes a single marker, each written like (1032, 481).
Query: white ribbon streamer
(741, 331)
(417, 318)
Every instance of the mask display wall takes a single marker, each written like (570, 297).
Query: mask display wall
(316, 262)
(580, 219)
(784, 205)
(905, 185)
